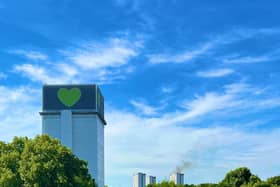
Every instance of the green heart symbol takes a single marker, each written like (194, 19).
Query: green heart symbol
(69, 97)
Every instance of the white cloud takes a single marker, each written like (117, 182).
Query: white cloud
(180, 58)
(67, 69)
(235, 98)
(116, 52)
(248, 33)
(32, 55)
(246, 60)
(209, 46)
(215, 73)
(102, 63)
(41, 74)
(64, 73)
(19, 112)
(13, 96)
(143, 108)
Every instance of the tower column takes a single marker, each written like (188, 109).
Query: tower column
(66, 128)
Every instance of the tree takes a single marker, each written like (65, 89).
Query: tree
(189, 185)
(274, 180)
(254, 179)
(263, 184)
(41, 162)
(207, 185)
(9, 162)
(164, 184)
(237, 177)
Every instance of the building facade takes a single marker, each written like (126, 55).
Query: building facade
(74, 114)
(177, 178)
(139, 180)
(150, 180)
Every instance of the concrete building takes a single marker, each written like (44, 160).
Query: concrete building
(177, 178)
(74, 114)
(150, 180)
(139, 180)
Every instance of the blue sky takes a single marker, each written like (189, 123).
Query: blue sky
(184, 81)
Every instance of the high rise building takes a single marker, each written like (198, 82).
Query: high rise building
(139, 180)
(74, 114)
(150, 180)
(177, 178)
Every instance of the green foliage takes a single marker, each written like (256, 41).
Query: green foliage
(236, 178)
(8, 178)
(207, 185)
(41, 162)
(164, 184)
(189, 185)
(9, 162)
(171, 184)
(263, 184)
(254, 179)
(274, 180)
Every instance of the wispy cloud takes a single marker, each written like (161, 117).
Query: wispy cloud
(32, 55)
(210, 46)
(107, 61)
(235, 98)
(248, 33)
(42, 74)
(18, 106)
(10, 97)
(145, 109)
(215, 73)
(246, 60)
(180, 58)
(239, 59)
(116, 52)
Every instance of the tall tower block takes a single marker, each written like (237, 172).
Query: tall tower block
(74, 114)
(139, 180)
(177, 178)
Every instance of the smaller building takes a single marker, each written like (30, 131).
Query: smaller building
(139, 180)
(177, 178)
(150, 180)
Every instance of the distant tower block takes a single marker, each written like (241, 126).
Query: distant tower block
(139, 180)
(177, 178)
(75, 115)
(150, 180)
